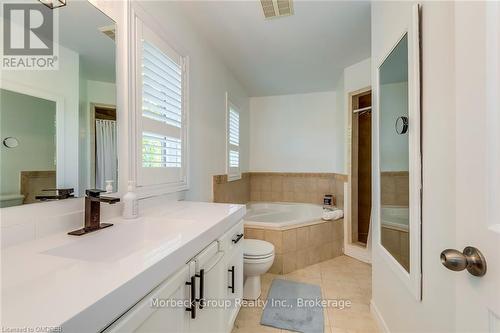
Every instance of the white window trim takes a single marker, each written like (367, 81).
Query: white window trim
(232, 173)
(137, 22)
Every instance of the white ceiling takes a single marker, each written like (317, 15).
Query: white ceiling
(305, 52)
(79, 23)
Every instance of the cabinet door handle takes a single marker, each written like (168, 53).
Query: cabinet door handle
(201, 300)
(237, 239)
(232, 279)
(192, 303)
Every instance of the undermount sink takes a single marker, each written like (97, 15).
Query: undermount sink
(127, 239)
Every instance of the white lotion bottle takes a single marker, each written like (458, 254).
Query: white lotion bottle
(130, 202)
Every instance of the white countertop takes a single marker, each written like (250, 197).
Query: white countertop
(82, 283)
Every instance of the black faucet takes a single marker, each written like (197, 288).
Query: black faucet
(60, 194)
(93, 201)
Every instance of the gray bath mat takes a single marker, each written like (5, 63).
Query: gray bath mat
(290, 305)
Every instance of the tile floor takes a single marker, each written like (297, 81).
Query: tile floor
(340, 278)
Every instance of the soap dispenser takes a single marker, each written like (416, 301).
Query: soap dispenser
(130, 202)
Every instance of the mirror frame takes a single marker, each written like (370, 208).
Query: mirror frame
(413, 279)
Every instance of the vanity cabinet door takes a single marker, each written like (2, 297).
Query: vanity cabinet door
(150, 317)
(210, 312)
(232, 244)
(234, 284)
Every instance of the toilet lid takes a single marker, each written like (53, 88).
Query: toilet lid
(255, 248)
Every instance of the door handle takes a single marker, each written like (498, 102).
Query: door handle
(192, 303)
(201, 300)
(471, 259)
(232, 279)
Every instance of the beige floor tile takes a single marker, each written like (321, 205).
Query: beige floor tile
(255, 329)
(341, 330)
(249, 316)
(341, 278)
(311, 272)
(362, 322)
(332, 275)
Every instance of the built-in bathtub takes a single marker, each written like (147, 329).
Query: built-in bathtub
(281, 216)
(296, 230)
(394, 217)
(394, 232)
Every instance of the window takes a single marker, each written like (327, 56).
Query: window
(233, 141)
(161, 112)
(160, 151)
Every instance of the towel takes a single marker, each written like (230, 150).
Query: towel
(329, 215)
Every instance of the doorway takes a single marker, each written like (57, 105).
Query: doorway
(360, 113)
(103, 152)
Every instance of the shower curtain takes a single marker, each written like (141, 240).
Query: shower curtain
(106, 153)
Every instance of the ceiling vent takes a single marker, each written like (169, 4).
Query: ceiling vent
(276, 8)
(109, 31)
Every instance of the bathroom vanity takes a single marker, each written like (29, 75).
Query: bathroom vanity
(124, 278)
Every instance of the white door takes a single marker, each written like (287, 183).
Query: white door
(477, 46)
(150, 317)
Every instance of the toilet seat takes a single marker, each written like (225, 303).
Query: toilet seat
(261, 260)
(255, 249)
(258, 258)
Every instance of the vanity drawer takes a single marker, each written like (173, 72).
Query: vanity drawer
(148, 316)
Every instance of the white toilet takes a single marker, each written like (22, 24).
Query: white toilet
(258, 257)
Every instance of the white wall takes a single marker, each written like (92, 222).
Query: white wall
(357, 76)
(101, 92)
(400, 311)
(296, 133)
(394, 147)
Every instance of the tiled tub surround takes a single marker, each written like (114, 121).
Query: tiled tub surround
(280, 187)
(394, 187)
(236, 191)
(300, 246)
(397, 242)
(394, 232)
(296, 246)
(296, 187)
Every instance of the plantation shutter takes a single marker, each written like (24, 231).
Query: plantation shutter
(233, 142)
(162, 112)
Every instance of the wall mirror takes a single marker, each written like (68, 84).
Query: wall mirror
(63, 120)
(400, 156)
(394, 154)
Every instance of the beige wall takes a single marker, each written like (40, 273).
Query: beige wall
(394, 187)
(236, 191)
(296, 248)
(280, 187)
(397, 242)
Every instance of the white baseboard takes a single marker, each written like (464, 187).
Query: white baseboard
(378, 317)
(358, 252)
